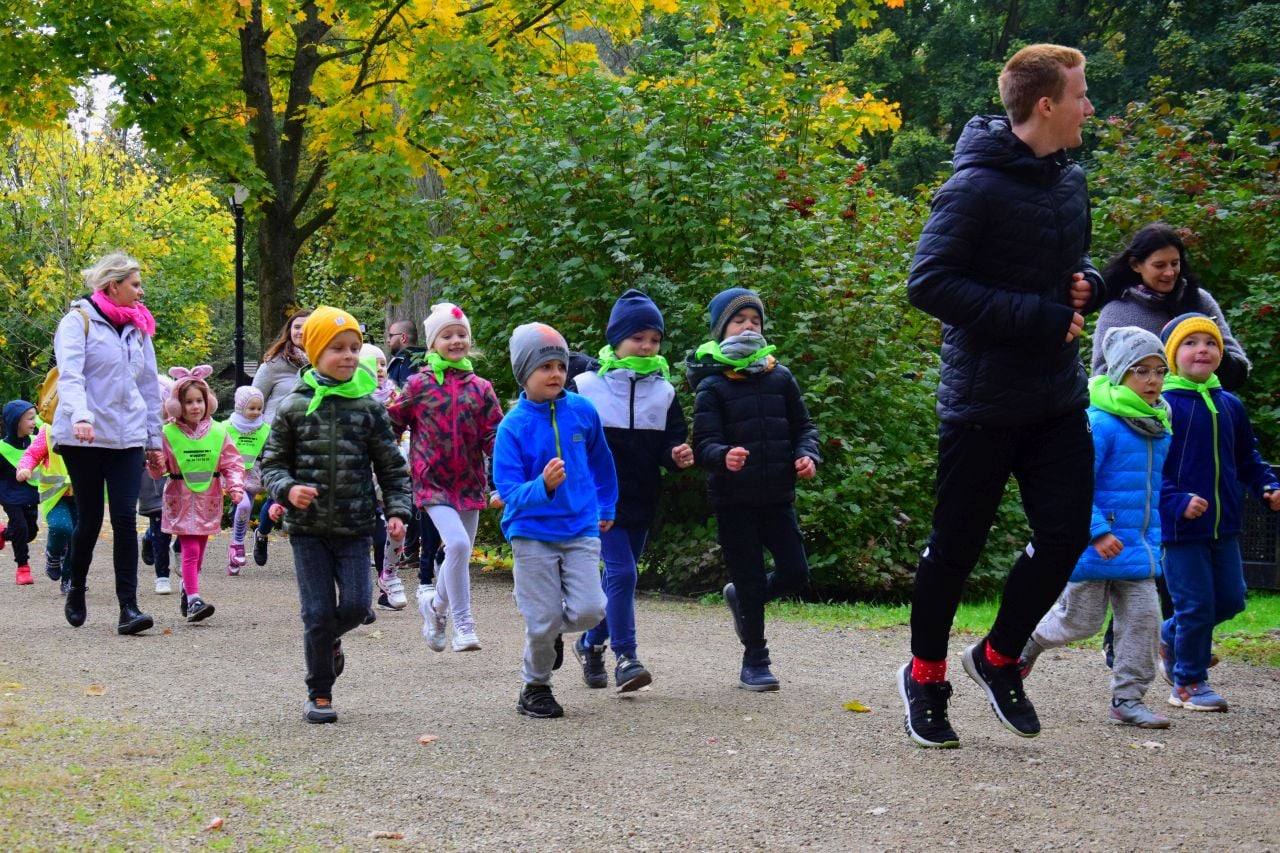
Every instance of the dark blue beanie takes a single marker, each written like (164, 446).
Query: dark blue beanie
(726, 303)
(633, 312)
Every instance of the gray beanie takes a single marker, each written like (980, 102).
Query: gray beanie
(1125, 346)
(533, 345)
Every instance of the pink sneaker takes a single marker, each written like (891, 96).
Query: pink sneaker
(235, 558)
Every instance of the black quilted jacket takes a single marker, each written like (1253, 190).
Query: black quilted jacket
(762, 412)
(337, 448)
(994, 263)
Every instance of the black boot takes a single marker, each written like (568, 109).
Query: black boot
(74, 609)
(132, 620)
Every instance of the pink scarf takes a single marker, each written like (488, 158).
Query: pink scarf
(138, 316)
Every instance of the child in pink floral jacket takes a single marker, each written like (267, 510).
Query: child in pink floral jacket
(452, 415)
(202, 463)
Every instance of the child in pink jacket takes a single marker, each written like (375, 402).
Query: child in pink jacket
(202, 463)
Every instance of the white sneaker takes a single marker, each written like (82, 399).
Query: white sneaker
(464, 636)
(435, 625)
(394, 588)
(163, 587)
(426, 591)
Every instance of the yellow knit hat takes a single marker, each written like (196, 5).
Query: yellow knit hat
(324, 324)
(1186, 324)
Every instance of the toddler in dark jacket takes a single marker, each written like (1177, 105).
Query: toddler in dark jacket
(753, 436)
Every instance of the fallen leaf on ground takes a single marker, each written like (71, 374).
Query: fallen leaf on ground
(382, 833)
(376, 635)
(855, 705)
(12, 685)
(167, 631)
(95, 690)
(214, 825)
(426, 739)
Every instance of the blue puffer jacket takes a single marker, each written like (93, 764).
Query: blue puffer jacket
(11, 491)
(1127, 470)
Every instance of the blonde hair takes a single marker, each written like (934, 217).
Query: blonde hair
(116, 266)
(1035, 72)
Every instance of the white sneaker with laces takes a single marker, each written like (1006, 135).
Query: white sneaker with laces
(163, 587)
(426, 591)
(435, 625)
(464, 636)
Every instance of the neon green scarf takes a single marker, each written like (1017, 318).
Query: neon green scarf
(712, 348)
(1124, 402)
(1181, 383)
(642, 366)
(439, 364)
(360, 384)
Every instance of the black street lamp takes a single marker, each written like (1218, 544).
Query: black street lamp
(239, 195)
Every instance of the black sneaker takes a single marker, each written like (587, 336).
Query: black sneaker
(148, 555)
(198, 609)
(926, 711)
(559, 647)
(630, 674)
(536, 701)
(319, 710)
(384, 603)
(259, 548)
(370, 617)
(592, 660)
(1003, 686)
(731, 600)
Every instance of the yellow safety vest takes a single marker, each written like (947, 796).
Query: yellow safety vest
(197, 458)
(50, 477)
(250, 444)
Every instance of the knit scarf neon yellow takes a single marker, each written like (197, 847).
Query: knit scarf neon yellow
(1124, 402)
(1202, 388)
(712, 348)
(642, 365)
(360, 384)
(439, 364)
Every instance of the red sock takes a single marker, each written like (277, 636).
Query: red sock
(995, 658)
(928, 671)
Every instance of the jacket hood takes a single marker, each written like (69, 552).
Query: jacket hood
(989, 142)
(13, 412)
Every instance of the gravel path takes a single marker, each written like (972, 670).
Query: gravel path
(691, 762)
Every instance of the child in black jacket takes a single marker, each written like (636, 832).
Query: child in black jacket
(753, 436)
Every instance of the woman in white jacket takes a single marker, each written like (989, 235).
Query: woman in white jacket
(106, 423)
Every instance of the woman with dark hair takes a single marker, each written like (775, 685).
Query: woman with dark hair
(275, 377)
(106, 424)
(1150, 283)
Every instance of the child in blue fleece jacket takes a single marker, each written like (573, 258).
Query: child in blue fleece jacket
(554, 472)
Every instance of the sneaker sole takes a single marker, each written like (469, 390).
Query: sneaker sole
(1154, 724)
(1192, 706)
(467, 647)
(594, 684)
(204, 613)
(972, 669)
(759, 688)
(525, 712)
(644, 679)
(915, 737)
(320, 719)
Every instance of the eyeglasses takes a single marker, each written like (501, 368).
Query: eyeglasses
(1148, 372)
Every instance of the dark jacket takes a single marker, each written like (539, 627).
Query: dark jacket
(333, 449)
(11, 491)
(404, 364)
(762, 412)
(643, 422)
(994, 264)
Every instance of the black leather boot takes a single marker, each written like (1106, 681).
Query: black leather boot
(74, 609)
(133, 620)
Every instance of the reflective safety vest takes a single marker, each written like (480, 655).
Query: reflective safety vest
(50, 477)
(197, 458)
(11, 454)
(250, 444)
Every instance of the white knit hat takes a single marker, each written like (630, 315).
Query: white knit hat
(442, 314)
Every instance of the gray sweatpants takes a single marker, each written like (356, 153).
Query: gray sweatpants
(558, 592)
(1080, 612)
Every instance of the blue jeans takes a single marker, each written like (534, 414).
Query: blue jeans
(265, 524)
(61, 526)
(620, 548)
(1206, 582)
(334, 587)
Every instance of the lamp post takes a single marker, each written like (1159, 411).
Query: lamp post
(239, 195)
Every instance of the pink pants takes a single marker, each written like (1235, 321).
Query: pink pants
(192, 558)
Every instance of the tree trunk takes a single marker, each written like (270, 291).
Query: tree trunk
(417, 295)
(277, 292)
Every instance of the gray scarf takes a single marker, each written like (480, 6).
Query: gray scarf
(743, 346)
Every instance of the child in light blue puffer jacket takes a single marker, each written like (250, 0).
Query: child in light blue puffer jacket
(1130, 423)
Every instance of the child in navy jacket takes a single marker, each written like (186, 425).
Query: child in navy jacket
(1213, 453)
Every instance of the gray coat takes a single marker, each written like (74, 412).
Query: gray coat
(275, 379)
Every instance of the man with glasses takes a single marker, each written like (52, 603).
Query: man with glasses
(402, 338)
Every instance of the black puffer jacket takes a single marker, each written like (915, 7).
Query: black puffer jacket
(762, 412)
(994, 263)
(338, 449)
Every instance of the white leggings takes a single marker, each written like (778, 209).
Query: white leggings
(453, 580)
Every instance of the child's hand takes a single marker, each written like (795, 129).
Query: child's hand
(553, 475)
(736, 458)
(1196, 508)
(682, 456)
(1081, 290)
(1272, 498)
(1108, 546)
(155, 459)
(606, 526)
(805, 468)
(302, 496)
(23, 475)
(236, 495)
(496, 501)
(1077, 327)
(276, 512)
(395, 528)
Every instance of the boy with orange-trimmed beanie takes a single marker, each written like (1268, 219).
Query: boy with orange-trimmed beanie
(329, 504)
(1212, 453)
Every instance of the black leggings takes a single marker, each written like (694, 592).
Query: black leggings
(21, 530)
(120, 472)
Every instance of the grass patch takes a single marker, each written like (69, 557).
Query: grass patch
(1252, 637)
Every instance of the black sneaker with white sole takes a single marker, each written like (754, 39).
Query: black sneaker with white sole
(925, 704)
(319, 710)
(198, 609)
(1003, 686)
(259, 549)
(630, 675)
(536, 701)
(592, 660)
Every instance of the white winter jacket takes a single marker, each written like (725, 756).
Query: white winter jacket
(107, 378)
